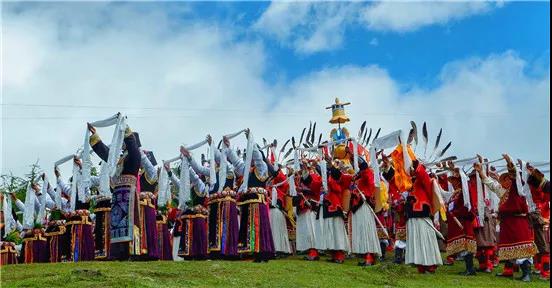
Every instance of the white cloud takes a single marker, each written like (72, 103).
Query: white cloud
(310, 27)
(409, 16)
(208, 82)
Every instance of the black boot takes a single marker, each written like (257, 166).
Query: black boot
(468, 260)
(398, 256)
(383, 246)
(526, 270)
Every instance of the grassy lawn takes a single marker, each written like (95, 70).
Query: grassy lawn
(291, 272)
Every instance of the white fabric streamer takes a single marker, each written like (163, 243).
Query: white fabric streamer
(42, 211)
(162, 198)
(184, 193)
(519, 184)
(292, 188)
(222, 169)
(388, 141)
(480, 199)
(355, 155)
(212, 164)
(465, 189)
(526, 190)
(274, 195)
(248, 159)
(8, 216)
(29, 213)
(74, 187)
(108, 167)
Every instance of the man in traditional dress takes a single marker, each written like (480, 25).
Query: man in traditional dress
(279, 208)
(306, 201)
(422, 248)
(539, 217)
(149, 241)
(78, 221)
(223, 211)
(460, 218)
(516, 240)
(124, 216)
(192, 220)
(10, 228)
(484, 234)
(365, 240)
(255, 235)
(331, 216)
(149, 183)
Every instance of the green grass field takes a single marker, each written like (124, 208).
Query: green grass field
(290, 272)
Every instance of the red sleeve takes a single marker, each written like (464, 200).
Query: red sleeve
(424, 181)
(366, 183)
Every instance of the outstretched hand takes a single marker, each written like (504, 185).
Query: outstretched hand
(184, 152)
(91, 128)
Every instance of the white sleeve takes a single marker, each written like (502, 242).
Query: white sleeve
(49, 202)
(20, 206)
(51, 191)
(94, 181)
(236, 161)
(198, 183)
(150, 170)
(259, 163)
(18, 226)
(494, 186)
(174, 180)
(65, 188)
(199, 168)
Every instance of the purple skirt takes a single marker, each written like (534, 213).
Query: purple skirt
(193, 239)
(82, 243)
(35, 250)
(165, 240)
(58, 243)
(152, 238)
(255, 234)
(223, 229)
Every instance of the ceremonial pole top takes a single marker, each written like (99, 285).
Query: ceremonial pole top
(338, 112)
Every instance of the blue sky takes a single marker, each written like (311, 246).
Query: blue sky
(414, 58)
(182, 70)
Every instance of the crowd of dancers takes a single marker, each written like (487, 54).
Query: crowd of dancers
(342, 197)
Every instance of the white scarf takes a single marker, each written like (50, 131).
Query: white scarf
(113, 157)
(247, 167)
(390, 140)
(42, 211)
(465, 189)
(355, 155)
(162, 197)
(480, 199)
(75, 186)
(184, 193)
(212, 164)
(274, 195)
(29, 213)
(57, 194)
(222, 170)
(324, 172)
(526, 189)
(8, 217)
(292, 188)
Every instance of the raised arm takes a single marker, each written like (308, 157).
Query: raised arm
(132, 161)
(149, 169)
(259, 163)
(492, 184)
(236, 161)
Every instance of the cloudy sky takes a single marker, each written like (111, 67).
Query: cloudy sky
(480, 71)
